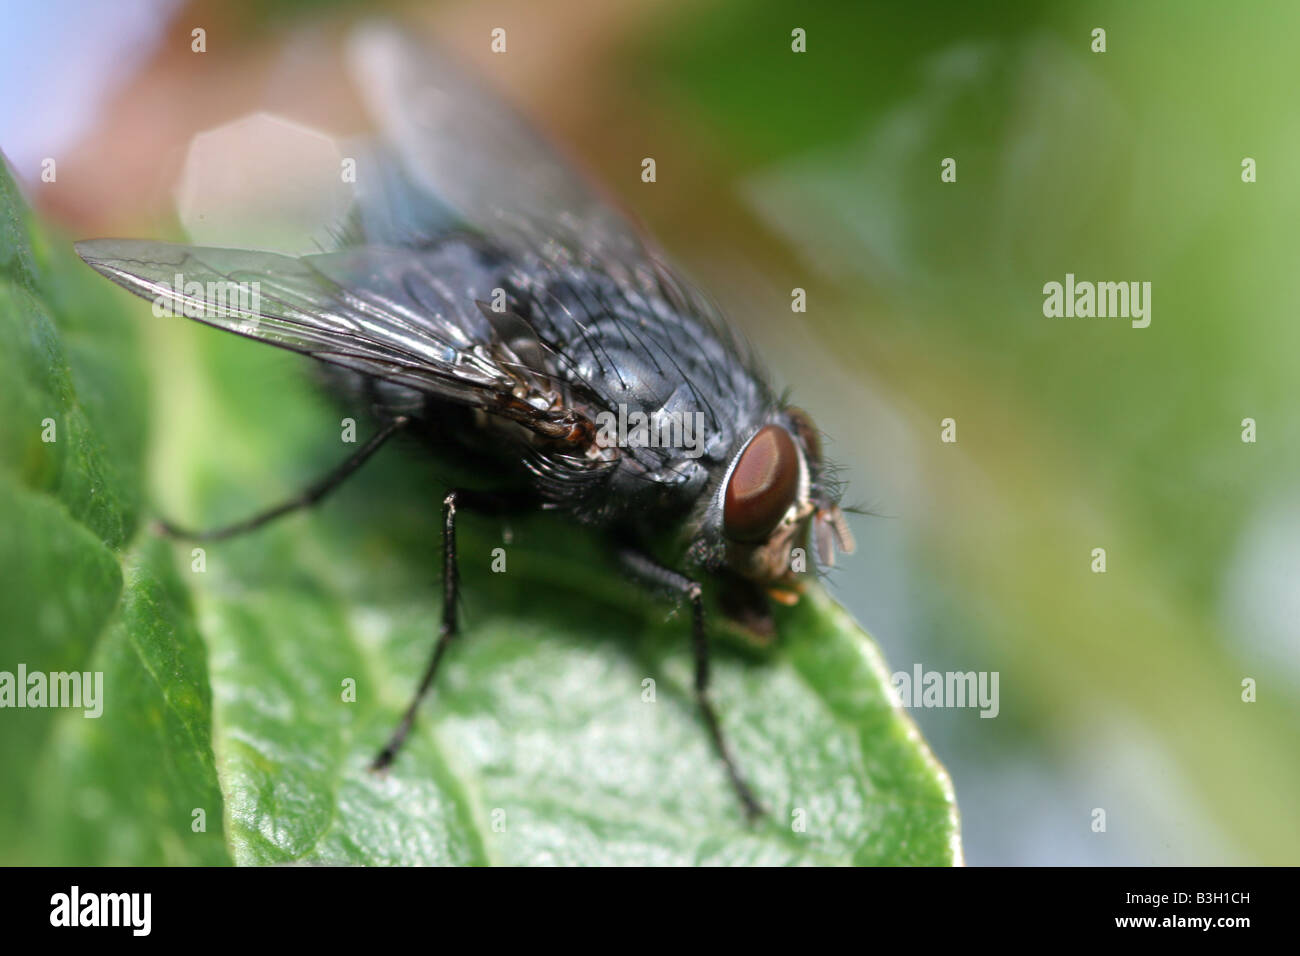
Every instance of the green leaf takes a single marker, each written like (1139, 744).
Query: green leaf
(541, 743)
(76, 594)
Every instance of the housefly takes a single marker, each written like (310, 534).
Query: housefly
(481, 291)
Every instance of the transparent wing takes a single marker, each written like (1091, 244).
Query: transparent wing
(461, 146)
(385, 312)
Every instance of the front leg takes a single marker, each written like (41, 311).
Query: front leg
(481, 502)
(656, 575)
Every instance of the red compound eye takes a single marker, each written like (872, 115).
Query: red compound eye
(808, 434)
(762, 486)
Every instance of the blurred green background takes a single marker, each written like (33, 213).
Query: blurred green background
(821, 170)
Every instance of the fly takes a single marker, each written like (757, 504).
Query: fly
(482, 293)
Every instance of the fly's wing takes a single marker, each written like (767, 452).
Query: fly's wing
(459, 145)
(390, 208)
(386, 312)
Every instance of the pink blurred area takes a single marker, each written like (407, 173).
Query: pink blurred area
(133, 92)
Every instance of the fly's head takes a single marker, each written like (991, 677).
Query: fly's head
(775, 494)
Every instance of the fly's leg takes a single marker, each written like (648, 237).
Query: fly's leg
(656, 575)
(310, 496)
(479, 502)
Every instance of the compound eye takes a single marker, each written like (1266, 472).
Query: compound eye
(807, 432)
(762, 486)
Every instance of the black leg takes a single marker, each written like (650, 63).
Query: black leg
(480, 502)
(314, 492)
(655, 574)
